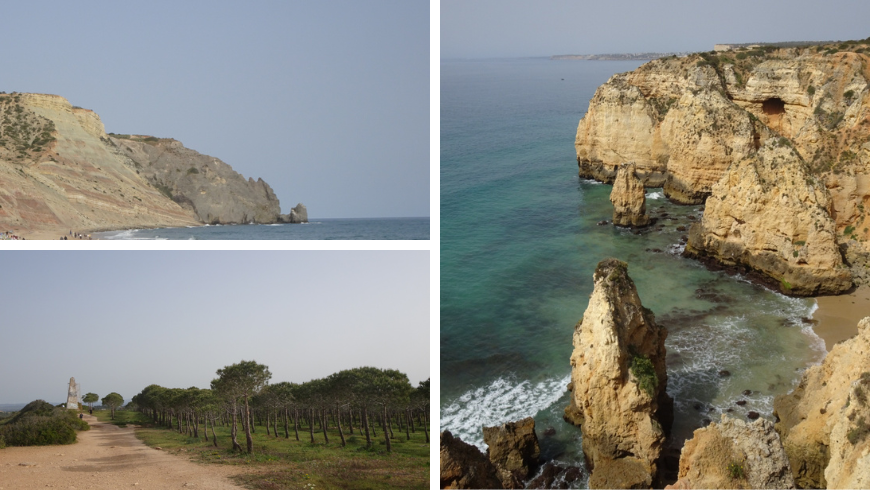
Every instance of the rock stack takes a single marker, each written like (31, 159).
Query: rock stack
(464, 466)
(514, 450)
(618, 383)
(628, 198)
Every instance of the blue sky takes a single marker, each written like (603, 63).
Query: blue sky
(327, 101)
(513, 28)
(121, 320)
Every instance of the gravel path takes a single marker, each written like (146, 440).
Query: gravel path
(110, 457)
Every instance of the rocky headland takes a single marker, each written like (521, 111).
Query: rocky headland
(775, 141)
(60, 171)
(618, 383)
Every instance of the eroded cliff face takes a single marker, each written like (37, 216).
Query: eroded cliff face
(618, 383)
(768, 213)
(816, 419)
(685, 121)
(464, 466)
(210, 188)
(58, 173)
(734, 454)
(628, 198)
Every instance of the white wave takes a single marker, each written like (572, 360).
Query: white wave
(503, 400)
(590, 181)
(677, 249)
(655, 195)
(275, 224)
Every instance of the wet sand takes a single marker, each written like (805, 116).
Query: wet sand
(838, 316)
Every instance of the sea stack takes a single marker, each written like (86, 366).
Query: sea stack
(825, 421)
(628, 198)
(618, 383)
(769, 215)
(735, 454)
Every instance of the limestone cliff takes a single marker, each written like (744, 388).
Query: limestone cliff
(210, 188)
(464, 466)
(628, 198)
(734, 454)
(618, 383)
(824, 422)
(686, 120)
(514, 450)
(769, 214)
(58, 173)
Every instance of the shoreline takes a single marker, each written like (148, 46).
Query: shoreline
(836, 318)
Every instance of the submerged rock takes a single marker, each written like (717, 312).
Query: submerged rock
(628, 198)
(464, 466)
(814, 418)
(513, 450)
(619, 382)
(768, 214)
(734, 454)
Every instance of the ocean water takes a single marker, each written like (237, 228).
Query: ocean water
(519, 244)
(319, 229)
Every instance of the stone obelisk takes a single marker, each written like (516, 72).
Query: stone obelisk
(72, 397)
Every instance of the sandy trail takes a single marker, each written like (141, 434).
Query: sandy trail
(110, 457)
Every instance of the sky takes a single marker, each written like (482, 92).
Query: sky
(519, 28)
(119, 321)
(327, 101)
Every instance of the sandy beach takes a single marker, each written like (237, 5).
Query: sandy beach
(837, 316)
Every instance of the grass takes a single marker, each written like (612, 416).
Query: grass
(643, 370)
(278, 463)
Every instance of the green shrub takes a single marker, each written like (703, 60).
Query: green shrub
(645, 374)
(849, 229)
(848, 94)
(40, 424)
(786, 286)
(735, 469)
(859, 432)
(811, 90)
(795, 253)
(192, 170)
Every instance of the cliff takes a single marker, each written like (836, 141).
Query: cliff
(825, 422)
(734, 454)
(618, 383)
(60, 171)
(687, 121)
(205, 185)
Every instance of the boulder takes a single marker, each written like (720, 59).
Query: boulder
(768, 215)
(299, 214)
(513, 449)
(464, 466)
(814, 419)
(628, 198)
(735, 454)
(618, 383)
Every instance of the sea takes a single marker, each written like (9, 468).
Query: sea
(520, 239)
(316, 229)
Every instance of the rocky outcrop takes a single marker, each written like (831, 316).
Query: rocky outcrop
(514, 450)
(628, 198)
(464, 466)
(299, 214)
(58, 173)
(814, 419)
(768, 214)
(734, 454)
(618, 383)
(210, 188)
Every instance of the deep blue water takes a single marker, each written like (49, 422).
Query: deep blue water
(519, 244)
(318, 229)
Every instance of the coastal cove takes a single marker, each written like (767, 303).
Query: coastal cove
(521, 239)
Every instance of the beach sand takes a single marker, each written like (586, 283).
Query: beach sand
(837, 317)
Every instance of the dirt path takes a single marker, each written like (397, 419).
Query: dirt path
(106, 457)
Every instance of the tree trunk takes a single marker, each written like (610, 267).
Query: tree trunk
(323, 424)
(213, 435)
(311, 424)
(248, 439)
(365, 421)
(234, 432)
(340, 433)
(286, 428)
(411, 421)
(205, 427)
(425, 429)
(296, 422)
(408, 424)
(387, 431)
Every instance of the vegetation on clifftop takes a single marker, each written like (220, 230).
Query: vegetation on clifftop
(23, 133)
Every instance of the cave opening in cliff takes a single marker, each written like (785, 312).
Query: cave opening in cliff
(773, 105)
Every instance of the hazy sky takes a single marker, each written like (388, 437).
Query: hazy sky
(505, 28)
(119, 320)
(327, 101)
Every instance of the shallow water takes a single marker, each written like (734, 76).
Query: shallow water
(519, 244)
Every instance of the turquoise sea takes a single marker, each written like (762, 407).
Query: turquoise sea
(316, 229)
(519, 244)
